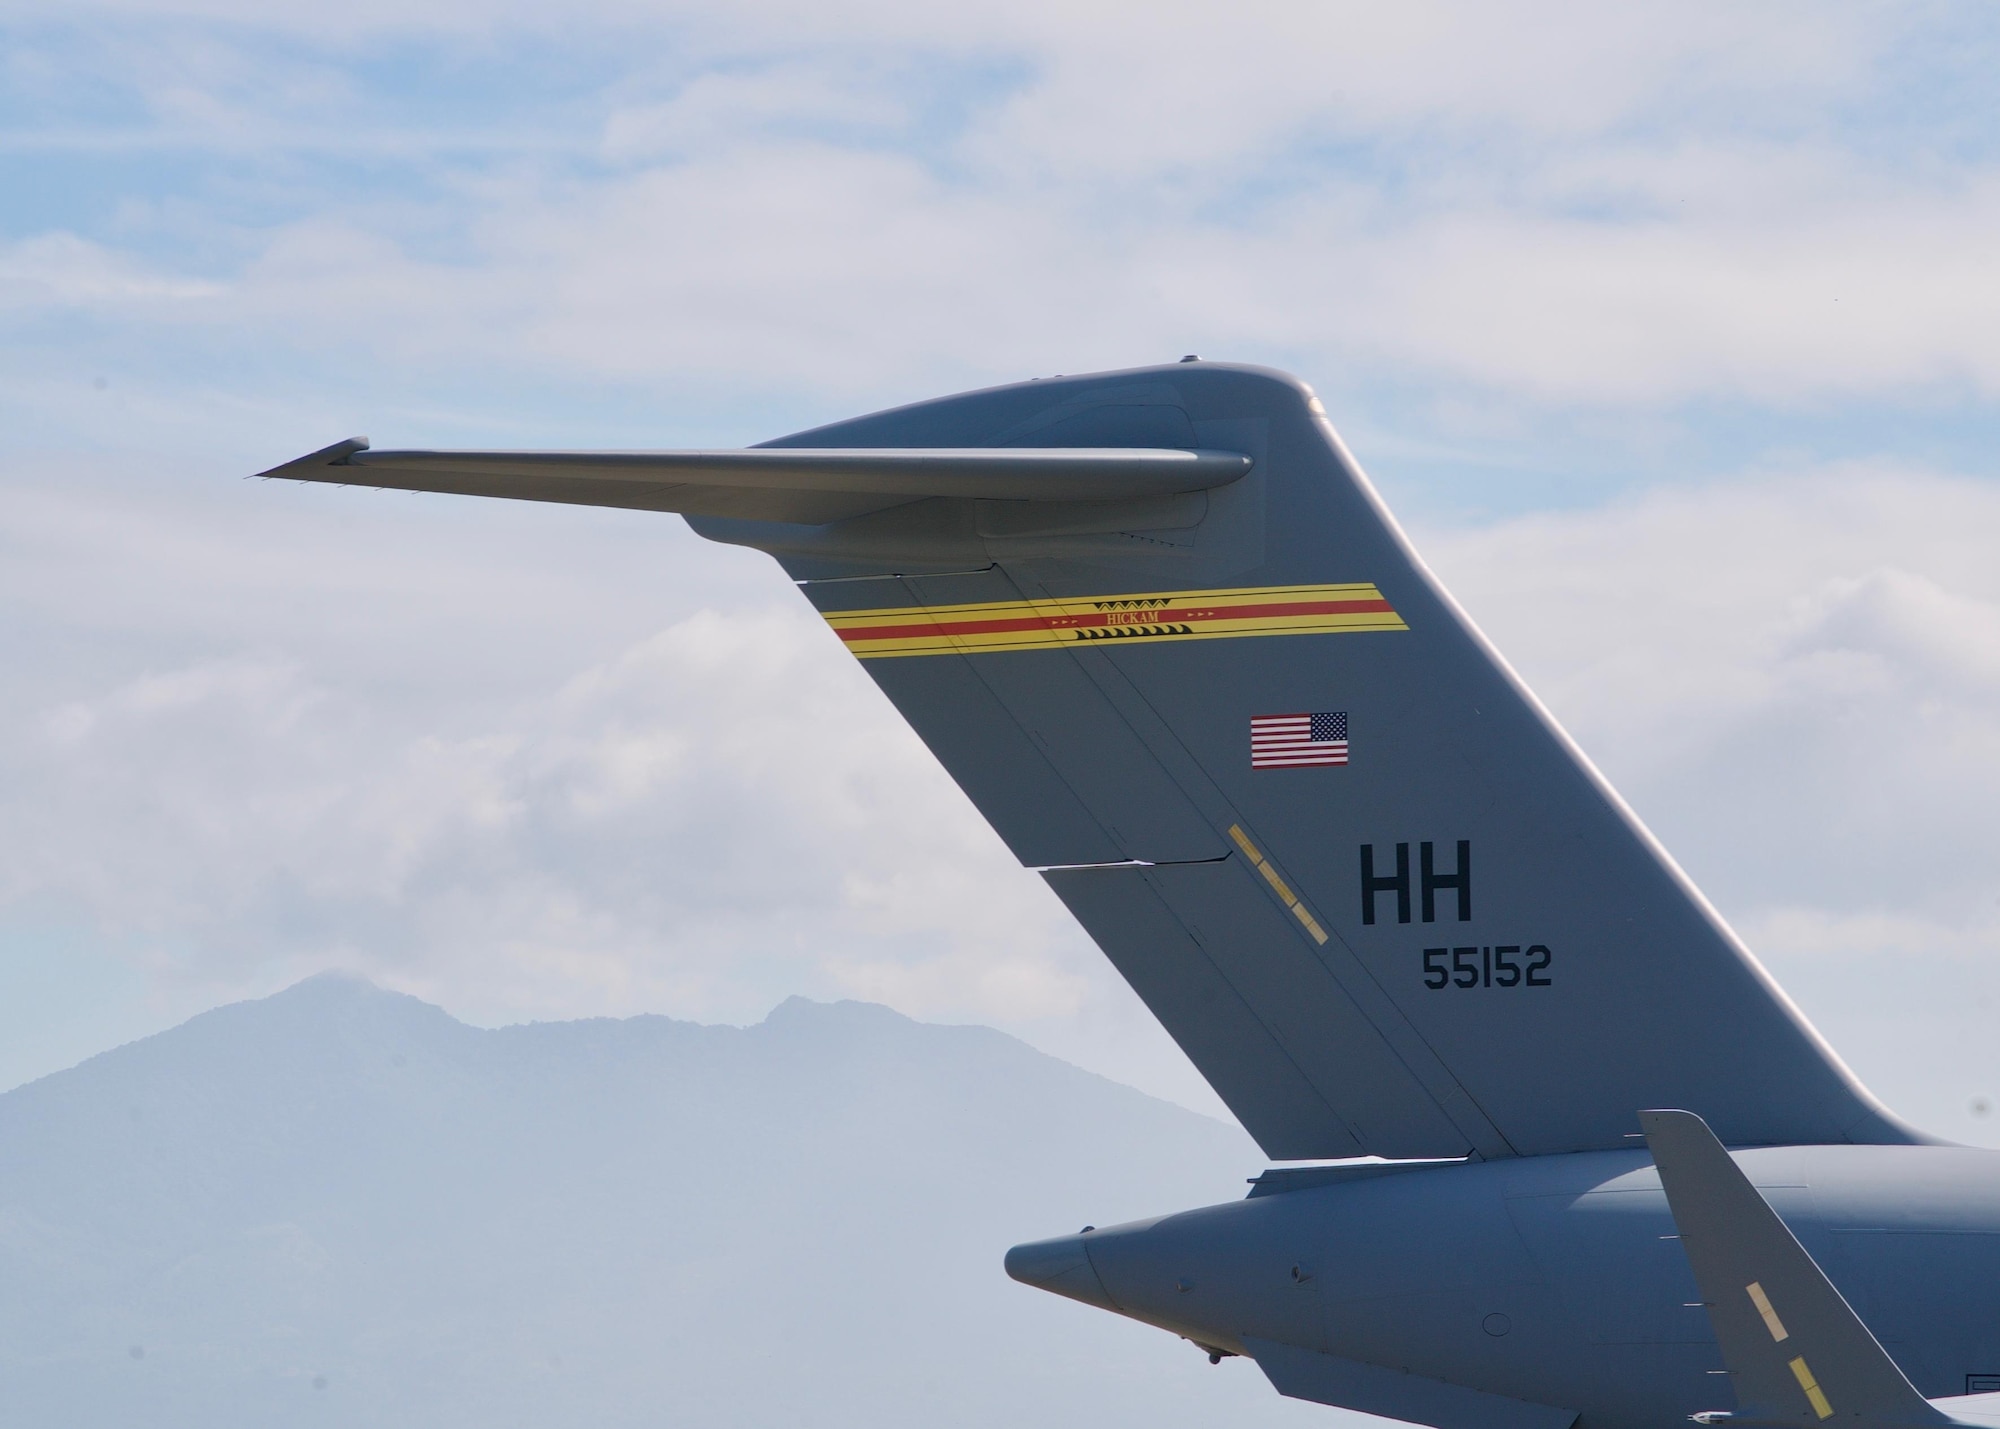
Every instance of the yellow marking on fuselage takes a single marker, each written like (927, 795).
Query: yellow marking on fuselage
(1078, 621)
(1278, 886)
(1763, 1304)
(1814, 1394)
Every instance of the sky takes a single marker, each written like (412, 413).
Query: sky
(1672, 334)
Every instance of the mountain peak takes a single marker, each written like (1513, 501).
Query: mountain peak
(607, 1221)
(796, 1010)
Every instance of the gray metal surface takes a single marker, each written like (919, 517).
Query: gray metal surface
(1796, 1352)
(778, 484)
(1158, 926)
(1552, 1280)
(1395, 1393)
(1649, 999)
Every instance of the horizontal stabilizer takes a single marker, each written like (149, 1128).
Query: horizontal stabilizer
(799, 485)
(1797, 1353)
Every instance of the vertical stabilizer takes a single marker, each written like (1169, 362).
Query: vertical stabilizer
(1354, 868)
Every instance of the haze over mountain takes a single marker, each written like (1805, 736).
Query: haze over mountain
(340, 1206)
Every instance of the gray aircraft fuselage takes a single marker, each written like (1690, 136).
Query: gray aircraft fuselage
(1554, 1279)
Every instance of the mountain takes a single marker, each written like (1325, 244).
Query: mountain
(340, 1206)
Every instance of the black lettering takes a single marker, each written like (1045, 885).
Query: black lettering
(1539, 957)
(1399, 885)
(1434, 969)
(1460, 879)
(1507, 972)
(1466, 975)
(1486, 967)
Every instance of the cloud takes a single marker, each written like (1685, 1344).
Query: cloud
(848, 271)
(707, 815)
(63, 271)
(736, 107)
(1568, 209)
(1792, 676)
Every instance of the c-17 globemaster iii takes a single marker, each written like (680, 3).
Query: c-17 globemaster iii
(1164, 634)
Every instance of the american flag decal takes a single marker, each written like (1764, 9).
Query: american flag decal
(1295, 741)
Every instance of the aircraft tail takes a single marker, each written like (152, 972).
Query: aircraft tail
(1161, 630)
(1380, 899)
